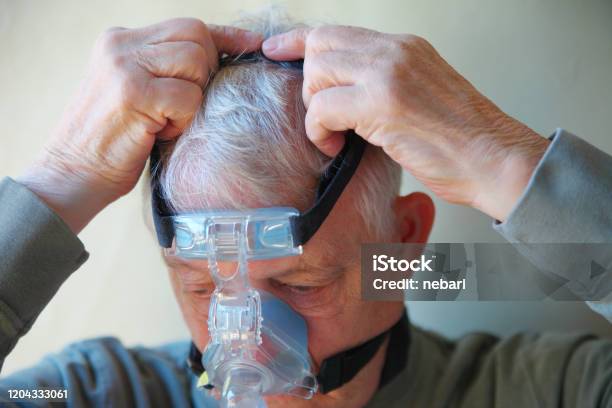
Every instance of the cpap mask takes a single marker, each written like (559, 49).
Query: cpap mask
(258, 345)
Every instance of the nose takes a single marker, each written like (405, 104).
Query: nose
(225, 270)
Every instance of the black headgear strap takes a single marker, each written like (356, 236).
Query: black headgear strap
(304, 226)
(341, 368)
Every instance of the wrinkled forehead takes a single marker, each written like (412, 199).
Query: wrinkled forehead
(229, 195)
(314, 265)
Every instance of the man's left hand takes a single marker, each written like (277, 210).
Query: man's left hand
(397, 92)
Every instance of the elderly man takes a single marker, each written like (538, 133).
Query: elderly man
(247, 148)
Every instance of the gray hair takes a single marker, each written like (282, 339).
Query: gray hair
(247, 146)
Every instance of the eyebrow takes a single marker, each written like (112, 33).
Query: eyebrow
(326, 273)
(175, 261)
(327, 269)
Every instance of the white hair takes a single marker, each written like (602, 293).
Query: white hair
(247, 145)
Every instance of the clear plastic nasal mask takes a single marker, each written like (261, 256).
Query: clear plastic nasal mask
(258, 344)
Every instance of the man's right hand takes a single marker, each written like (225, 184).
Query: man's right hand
(142, 84)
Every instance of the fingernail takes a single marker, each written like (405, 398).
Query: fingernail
(269, 45)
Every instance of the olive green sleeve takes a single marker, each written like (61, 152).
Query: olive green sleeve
(37, 254)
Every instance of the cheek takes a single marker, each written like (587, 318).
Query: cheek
(328, 336)
(327, 302)
(359, 322)
(195, 311)
(332, 301)
(338, 320)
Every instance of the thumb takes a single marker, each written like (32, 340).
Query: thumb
(287, 46)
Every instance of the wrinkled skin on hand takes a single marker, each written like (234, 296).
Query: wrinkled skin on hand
(397, 92)
(142, 84)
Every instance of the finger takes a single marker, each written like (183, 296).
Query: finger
(287, 46)
(331, 112)
(330, 68)
(179, 30)
(299, 42)
(172, 100)
(212, 38)
(176, 29)
(182, 59)
(233, 41)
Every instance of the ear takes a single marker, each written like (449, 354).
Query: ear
(415, 215)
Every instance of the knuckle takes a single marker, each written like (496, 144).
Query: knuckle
(316, 102)
(320, 104)
(143, 56)
(111, 39)
(226, 31)
(195, 60)
(310, 90)
(110, 50)
(327, 30)
(310, 66)
(405, 52)
(410, 43)
(118, 61)
(129, 92)
(316, 36)
(195, 53)
(194, 26)
(315, 33)
(420, 42)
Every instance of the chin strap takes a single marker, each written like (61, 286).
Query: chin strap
(341, 368)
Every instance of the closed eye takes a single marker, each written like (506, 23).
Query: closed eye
(295, 289)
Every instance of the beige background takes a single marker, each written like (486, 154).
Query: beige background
(548, 63)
